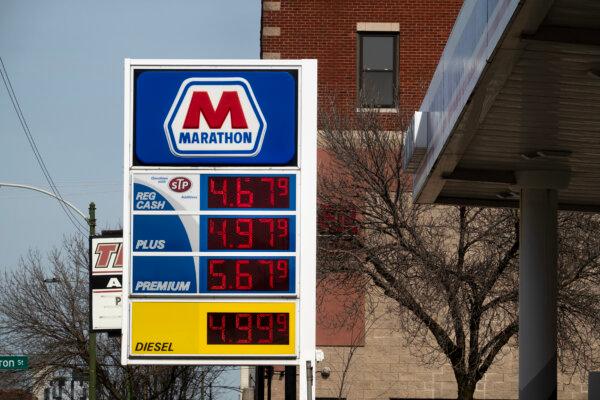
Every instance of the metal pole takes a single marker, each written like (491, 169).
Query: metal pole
(128, 382)
(92, 335)
(290, 382)
(19, 186)
(538, 294)
(259, 384)
(269, 381)
(309, 380)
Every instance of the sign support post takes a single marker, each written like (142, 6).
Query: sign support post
(290, 382)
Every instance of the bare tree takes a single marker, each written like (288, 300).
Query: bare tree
(48, 320)
(451, 271)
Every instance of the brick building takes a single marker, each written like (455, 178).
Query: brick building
(411, 32)
(377, 55)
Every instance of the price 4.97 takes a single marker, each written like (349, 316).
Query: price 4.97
(248, 233)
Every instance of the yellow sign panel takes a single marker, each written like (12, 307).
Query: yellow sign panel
(168, 328)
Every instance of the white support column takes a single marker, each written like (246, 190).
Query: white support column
(245, 388)
(538, 283)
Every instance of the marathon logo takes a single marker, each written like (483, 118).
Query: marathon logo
(215, 117)
(154, 346)
(163, 286)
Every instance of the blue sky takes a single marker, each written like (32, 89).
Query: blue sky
(65, 60)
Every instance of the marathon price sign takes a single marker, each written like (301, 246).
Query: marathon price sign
(220, 212)
(106, 275)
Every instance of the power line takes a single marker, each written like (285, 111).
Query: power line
(38, 156)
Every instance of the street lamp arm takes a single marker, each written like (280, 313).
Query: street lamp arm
(19, 186)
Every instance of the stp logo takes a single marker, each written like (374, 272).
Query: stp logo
(180, 184)
(215, 117)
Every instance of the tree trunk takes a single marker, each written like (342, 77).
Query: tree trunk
(466, 389)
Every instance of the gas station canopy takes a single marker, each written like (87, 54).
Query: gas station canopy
(516, 89)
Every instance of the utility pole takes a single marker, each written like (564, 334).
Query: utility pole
(92, 335)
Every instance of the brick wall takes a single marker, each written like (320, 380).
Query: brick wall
(327, 30)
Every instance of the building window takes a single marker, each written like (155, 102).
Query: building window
(377, 69)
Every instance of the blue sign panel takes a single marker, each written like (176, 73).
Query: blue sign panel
(248, 233)
(247, 275)
(162, 233)
(266, 192)
(213, 275)
(164, 274)
(208, 117)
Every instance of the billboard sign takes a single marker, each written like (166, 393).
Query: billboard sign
(220, 212)
(193, 117)
(106, 282)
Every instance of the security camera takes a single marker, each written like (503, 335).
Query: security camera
(325, 372)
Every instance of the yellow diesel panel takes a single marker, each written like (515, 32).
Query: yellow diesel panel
(167, 328)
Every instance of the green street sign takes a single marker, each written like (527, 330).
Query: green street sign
(14, 362)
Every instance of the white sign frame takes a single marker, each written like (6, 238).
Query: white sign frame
(104, 316)
(305, 211)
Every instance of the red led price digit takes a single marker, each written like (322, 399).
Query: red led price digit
(282, 268)
(244, 198)
(282, 226)
(217, 275)
(242, 276)
(269, 265)
(217, 192)
(283, 184)
(213, 327)
(247, 233)
(269, 222)
(244, 327)
(265, 327)
(214, 229)
(271, 183)
(282, 321)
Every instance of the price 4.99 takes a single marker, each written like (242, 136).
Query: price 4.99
(248, 328)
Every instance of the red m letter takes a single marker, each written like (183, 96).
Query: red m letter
(229, 103)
